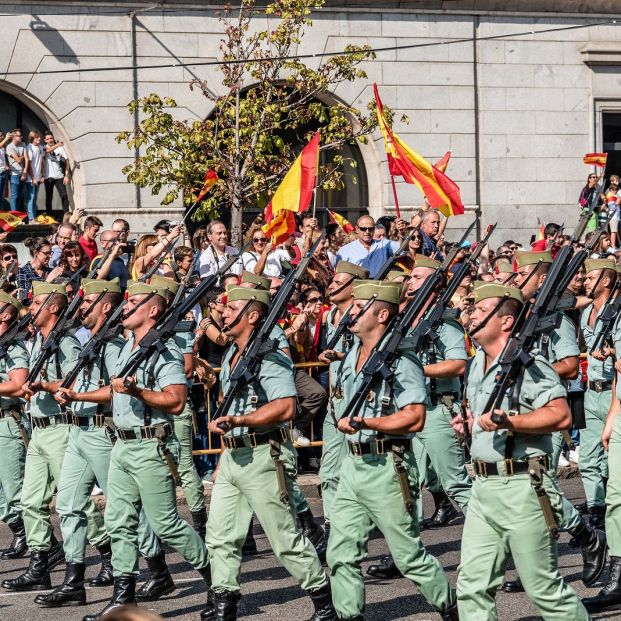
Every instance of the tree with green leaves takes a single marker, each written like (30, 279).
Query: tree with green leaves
(271, 106)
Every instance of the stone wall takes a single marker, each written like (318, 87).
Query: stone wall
(535, 107)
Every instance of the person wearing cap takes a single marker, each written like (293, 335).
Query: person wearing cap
(369, 492)
(44, 458)
(13, 374)
(600, 279)
(504, 273)
(504, 513)
(334, 449)
(144, 406)
(258, 467)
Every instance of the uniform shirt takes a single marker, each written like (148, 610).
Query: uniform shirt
(560, 343)
(451, 345)
(408, 386)
(42, 403)
(88, 380)
(597, 370)
(16, 358)
(185, 342)
(275, 380)
(373, 258)
(128, 411)
(541, 385)
(616, 337)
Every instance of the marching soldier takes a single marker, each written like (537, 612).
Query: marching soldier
(378, 478)
(52, 426)
(13, 431)
(257, 470)
(515, 504)
(142, 470)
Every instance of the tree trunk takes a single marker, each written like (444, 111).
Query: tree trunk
(236, 225)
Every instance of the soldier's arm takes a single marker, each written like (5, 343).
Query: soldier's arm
(14, 387)
(613, 412)
(276, 411)
(101, 395)
(567, 368)
(409, 419)
(445, 368)
(171, 399)
(553, 416)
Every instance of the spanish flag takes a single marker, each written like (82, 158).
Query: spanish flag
(596, 159)
(211, 178)
(9, 220)
(280, 227)
(441, 192)
(345, 225)
(296, 190)
(443, 162)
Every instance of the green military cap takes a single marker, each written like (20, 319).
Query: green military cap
(592, 265)
(100, 286)
(5, 298)
(135, 287)
(243, 293)
(260, 281)
(394, 274)
(486, 290)
(533, 258)
(382, 291)
(167, 283)
(426, 262)
(346, 267)
(504, 267)
(47, 288)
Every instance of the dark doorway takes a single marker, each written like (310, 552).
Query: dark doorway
(611, 139)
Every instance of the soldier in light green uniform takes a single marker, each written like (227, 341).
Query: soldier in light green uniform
(88, 452)
(13, 426)
(257, 469)
(334, 447)
(504, 514)
(51, 428)
(370, 492)
(593, 463)
(143, 407)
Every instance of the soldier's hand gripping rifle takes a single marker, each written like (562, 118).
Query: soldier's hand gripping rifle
(379, 364)
(260, 343)
(608, 317)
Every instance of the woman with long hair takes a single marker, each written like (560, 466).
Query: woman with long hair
(149, 249)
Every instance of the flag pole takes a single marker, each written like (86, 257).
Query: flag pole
(394, 193)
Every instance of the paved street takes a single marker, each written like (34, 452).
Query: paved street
(269, 593)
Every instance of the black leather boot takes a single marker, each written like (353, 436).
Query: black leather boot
(609, 598)
(322, 548)
(209, 612)
(450, 614)
(250, 545)
(199, 519)
(582, 508)
(593, 547)
(70, 593)
(444, 514)
(224, 606)
(385, 569)
(324, 608)
(56, 554)
(512, 586)
(124, 594)
(18, 546)
(597, 518)
(310, 529)
(160, 581)
(105, 577)
(35, 578)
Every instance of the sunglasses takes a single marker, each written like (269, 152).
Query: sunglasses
(259, 240)
(9, 257)
(592, 176)
(314, 300)
(366, 229)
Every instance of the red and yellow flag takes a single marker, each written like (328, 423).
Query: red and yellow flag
(211, 178)
(9, 220)
(596, 159)
(345, 225)
(443, 162)
(296, 190)
(280, 227)
(441, 191)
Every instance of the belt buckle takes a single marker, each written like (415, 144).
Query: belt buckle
(148, 433)
(379, 447)
(356, 449)
(228, 442)
(252, 439)
(509, 471)
(482, 469)
(284, 434)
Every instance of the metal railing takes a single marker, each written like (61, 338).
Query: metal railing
(211, 450)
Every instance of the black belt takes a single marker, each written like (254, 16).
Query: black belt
(435, 397)
(600, 386)
(145, 433)
(510, 467)
(378, 447)
(42, 422)
(99, 420)
(252, 440)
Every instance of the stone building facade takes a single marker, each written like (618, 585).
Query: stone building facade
(519, 91)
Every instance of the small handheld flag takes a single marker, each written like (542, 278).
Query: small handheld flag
(345, 225)
(596, 159)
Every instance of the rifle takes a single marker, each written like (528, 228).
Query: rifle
(155, 339)
(260, 343)
(608, 317)
(379, 363)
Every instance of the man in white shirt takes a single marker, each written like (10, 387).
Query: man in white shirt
(35, 176)
(18, 165)
(57, 172)
(218, 252)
